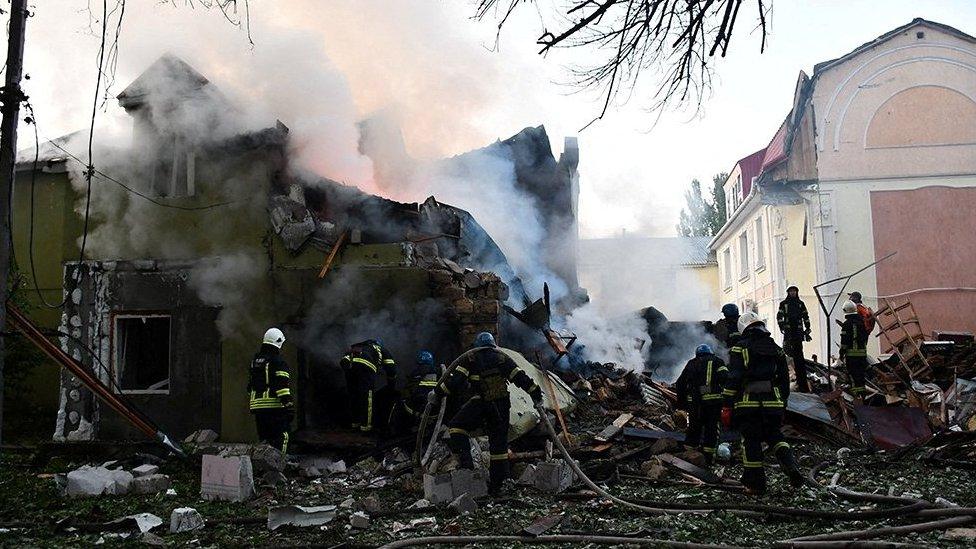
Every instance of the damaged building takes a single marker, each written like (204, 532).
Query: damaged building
(200, 240)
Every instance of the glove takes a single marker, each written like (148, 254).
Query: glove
(727, 417)
(806, 336)
(536, 396)
(433, 398)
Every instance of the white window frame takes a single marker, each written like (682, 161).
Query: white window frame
(117, 364)
(760, 245)
(727, 266)
(744, 255)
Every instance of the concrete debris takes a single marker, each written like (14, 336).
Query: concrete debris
(665, 446)
(203, 436)
(653, 469)
(463, 504)
(414, 524)
(151, 484)
(226, 478)
(960, 534)
(296, 515)
(310, 472)
(145, 470)
(171, 492)
(267, 458)
(273, 479)
(693, 457)
(185, 519)
(419, 504)
(359, 520)
(323, 465)
(553, 477)
(527, 478)
(347, 503)
(97, 481)
(143, 522)
(370, 505)
(446, 487)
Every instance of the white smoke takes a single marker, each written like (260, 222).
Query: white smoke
(623, 341)
(226, 282)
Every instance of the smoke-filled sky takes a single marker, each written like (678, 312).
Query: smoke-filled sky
(320, 66)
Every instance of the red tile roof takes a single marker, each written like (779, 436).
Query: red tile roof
(776, 150)
(750, 166)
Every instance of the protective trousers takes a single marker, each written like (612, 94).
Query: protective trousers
(493, 415)
(856, 369)
(759, 425)
(362, 382)
(273, 425)
(710, 415)
(793, 347)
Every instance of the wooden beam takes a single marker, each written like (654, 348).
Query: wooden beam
(332, 254)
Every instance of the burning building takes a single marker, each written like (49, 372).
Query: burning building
(201, 234)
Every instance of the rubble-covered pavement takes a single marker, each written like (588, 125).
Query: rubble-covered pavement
(622, 435)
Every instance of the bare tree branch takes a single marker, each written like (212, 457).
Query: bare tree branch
(673, 39)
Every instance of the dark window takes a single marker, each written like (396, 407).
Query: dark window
(142, 353)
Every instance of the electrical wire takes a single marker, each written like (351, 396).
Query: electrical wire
(30, 231)
(151, 199)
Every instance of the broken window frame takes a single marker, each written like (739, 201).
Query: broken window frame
(118, 361)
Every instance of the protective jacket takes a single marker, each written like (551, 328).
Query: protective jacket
(268, 380)
(373, 356)
(853, 336)
(793, 318)
(758, 373)
(702, 379)
(488, 371)
(727, 330)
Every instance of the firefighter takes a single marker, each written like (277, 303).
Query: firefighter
(365, 360)
(270, 394)
(867, 315)
(421, 381)
(699, 389)
(853, 349)
(755, 398)
(726, 329)
(794, 323)
(488, 370)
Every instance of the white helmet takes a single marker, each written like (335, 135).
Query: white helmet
(850, 307)
(747, 319)
(275, 337)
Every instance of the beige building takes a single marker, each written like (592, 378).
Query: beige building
(877, 155)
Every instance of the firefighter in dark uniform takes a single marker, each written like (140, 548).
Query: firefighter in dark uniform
(794, 323)
(488, 370)
(727, 328)
(269, 391)
(699, 390)
(757, 391)
(365, 360)
(853, 349)
(421, 381)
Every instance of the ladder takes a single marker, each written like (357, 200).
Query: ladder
(899, 325)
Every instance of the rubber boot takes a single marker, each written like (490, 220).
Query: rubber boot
(788, 463)
(460, 445)
(754, 479)
(498, 471)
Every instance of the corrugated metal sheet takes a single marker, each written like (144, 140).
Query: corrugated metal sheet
(750, 166)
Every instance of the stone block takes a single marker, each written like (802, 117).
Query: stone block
(359, 520)
(185, 519)
(145, 470)
(463, 504)
(151, 484)
(437, 488)
(226, 478)
(471, 482)
(553, 477)
(96, 481)
(527, 478)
